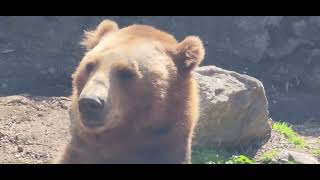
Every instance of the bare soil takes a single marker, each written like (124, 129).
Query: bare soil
(32, 129)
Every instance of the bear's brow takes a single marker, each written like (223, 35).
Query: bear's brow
(151, 32)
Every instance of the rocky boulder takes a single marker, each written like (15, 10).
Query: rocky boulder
(233, 109)
(290, 156)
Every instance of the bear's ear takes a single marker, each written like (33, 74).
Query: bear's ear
(92, 38)
(189, 53)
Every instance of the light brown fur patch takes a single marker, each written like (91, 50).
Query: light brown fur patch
(153, 113)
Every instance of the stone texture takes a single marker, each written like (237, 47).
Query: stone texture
(233, 108)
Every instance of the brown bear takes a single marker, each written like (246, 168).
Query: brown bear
(134, 98)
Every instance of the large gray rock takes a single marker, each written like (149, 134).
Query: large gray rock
(233, 109)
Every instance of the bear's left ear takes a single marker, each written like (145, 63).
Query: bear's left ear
(189, 53)
(92, 38)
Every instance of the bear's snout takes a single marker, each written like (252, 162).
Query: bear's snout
(91, 108)
(88, 104)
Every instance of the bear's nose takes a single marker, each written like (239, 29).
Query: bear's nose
(90, 104)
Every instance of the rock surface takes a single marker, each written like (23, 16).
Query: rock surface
(286, 156)
(233, 108)
(302, 158)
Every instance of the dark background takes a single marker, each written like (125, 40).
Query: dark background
(39, 53)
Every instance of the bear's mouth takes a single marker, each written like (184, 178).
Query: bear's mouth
(95, 119)
(92, 120)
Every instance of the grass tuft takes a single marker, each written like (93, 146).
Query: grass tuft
(289, 133)
(269, 156)
(316, 152)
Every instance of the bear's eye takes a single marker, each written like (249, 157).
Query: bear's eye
(90, 67)
(125, 74)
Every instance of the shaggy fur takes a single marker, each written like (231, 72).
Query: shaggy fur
(146, 76)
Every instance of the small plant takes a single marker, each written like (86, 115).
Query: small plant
(291, 162)
(316, 152)
(289, 133)
(269, 156)
(241, 159)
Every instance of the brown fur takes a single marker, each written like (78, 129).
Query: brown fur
(153, 114)
(92, 38)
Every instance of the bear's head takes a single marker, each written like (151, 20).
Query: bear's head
(131, 74)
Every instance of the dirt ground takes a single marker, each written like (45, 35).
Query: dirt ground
(33, 129)
(279, 143)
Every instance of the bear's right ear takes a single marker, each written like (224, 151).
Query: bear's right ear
(92, 38)
(189, 53)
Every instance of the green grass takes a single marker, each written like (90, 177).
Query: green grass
(291, 162)
(289, 133)
(269, 156)
(221, 157)
(241, 159)
(316, 152)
